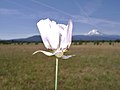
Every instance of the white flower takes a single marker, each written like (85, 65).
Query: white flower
(56, 37)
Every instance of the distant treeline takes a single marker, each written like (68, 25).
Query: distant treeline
(77, 42)
(95, 42)
(18, 42)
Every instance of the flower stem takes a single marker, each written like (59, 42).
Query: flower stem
(56, 73)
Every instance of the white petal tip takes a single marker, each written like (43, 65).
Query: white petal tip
(36, 52)
(67, 57)
(44, 52)
(33, 53)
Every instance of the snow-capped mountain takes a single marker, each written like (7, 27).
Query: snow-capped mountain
(91, 35)
(37, 38)
(94, 32)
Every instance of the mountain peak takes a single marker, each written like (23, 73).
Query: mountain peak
(94, 32)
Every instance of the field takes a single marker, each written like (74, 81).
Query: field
(95, 67)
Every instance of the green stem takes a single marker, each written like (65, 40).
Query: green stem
(56, 74)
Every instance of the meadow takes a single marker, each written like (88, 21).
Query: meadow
(95, 67)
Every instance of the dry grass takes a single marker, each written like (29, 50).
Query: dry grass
(95, 67)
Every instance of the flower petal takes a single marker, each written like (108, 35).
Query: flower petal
(45, 52)
(66, 36)
(49, 31)
(66, 57)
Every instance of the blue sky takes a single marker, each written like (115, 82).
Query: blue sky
(18, 18)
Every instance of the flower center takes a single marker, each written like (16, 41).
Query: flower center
(59, 54)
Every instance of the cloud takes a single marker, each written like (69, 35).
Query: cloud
(51, 7)
(89, 7)
(5, 11)
(23, 15)
(92, 6)
(96, 22)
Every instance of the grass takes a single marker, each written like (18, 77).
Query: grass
(95, 67)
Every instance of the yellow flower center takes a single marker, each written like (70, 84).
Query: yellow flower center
(59, 54)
